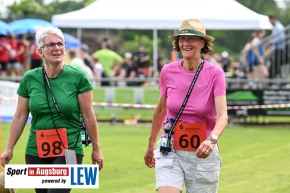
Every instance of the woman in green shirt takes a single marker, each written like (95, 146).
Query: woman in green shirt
(59, 98)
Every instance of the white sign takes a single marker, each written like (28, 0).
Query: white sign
(51, 176)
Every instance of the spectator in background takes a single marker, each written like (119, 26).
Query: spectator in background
(118, 73)
(218, 59)
(13, 64)
(248, 61)
(279, 56)
(260, 70)
(35, 57)
(131, 69)
(85, 55)
(160, 63)
(98, 70)
(142, 59)
(22, 52)
(210, 57)
(226, 61)
(107, 57)
(4, 54)
(79, 63)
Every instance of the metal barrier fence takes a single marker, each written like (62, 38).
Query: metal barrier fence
(232, 83)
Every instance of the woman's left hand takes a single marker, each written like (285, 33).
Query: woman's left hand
(205, 149)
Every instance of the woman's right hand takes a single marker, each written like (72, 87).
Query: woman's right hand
(6, 157)
(149, 158)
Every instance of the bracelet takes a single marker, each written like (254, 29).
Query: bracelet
(213, 138)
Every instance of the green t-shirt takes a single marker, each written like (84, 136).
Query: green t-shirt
(65, 87)
(107, 58)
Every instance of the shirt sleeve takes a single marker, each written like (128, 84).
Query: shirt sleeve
(84, 82)
(162, 82)
(23, 89)
(220, 83)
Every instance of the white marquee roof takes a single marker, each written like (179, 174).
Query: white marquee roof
(162, 14)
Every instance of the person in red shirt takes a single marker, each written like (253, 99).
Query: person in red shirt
(22, 52)
(13, 64)
(36, 59)
(4, 54)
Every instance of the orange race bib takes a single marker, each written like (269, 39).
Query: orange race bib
(49, 144)
(188, 136)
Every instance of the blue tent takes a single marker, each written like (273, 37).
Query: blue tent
(71, 42)
(28, 25)
(4, 28)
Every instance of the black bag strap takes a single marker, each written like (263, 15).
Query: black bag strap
(185, 101)
(56, 106)
(55, 103)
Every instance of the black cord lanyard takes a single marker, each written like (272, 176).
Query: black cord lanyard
(184, 102)
(45, 77)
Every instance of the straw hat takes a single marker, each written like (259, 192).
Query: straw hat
(2, 185)
(192, 27)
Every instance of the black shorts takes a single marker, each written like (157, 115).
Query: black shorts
(3, 66)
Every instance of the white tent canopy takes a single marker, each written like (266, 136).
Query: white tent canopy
(162, 14)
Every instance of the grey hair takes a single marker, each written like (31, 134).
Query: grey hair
(41, 33)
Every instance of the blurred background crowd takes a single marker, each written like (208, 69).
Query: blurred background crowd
(106, 67)
(250, 59)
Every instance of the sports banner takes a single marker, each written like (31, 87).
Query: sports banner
(51, 176)
(258, 102)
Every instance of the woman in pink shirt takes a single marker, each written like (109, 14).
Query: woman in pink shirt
(191, 157)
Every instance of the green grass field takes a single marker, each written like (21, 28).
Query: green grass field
(256, 159)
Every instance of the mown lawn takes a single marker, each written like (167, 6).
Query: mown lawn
(255, 159)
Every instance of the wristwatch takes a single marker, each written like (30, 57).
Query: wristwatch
(213, 138)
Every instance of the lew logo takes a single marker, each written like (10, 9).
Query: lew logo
(84, 176)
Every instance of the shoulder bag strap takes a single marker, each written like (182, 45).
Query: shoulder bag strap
(45, 77)
(185, 101)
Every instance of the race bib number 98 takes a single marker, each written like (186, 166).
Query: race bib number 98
(49, 142)
(188, 136)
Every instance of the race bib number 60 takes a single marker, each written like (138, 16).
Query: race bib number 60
(49, 142)
(188, 136)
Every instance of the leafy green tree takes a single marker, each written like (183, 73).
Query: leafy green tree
(260, 6)
(37, 8)
(59, 7)
(25, 9)
(285, 13)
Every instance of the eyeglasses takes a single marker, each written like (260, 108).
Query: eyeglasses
(190, 39)
(51, 45)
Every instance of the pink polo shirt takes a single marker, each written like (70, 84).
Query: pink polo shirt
(174, 84)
